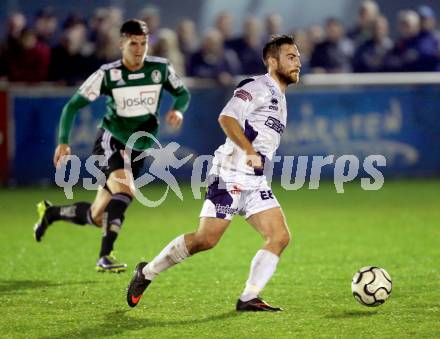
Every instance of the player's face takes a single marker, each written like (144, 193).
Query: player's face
(134, 48)
(289, 64)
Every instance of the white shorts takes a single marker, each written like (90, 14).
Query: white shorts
(224, 200)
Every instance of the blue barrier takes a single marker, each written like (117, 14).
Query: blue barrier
(401, 123)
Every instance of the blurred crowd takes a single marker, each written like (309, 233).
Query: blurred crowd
(67, 52)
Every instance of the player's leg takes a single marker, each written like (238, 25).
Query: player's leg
(112, 215)
(217, 212)
(206, 237)
(103, 197)
(272, 226)
(79, 213)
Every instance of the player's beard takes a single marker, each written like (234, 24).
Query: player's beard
(287, 76)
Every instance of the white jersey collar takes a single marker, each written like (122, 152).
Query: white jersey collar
(274, 82)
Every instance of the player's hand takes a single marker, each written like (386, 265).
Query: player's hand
(253, 160)
(60, 151)
(174, 119)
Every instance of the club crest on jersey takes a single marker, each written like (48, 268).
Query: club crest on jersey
(156, 76)
(115, 74)
(243, 95)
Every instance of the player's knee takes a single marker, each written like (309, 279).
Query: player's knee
(280, 240)
(96, 215)
(210, 242)
(284, 240)
(205, 242)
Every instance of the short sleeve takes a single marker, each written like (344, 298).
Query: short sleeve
(91, 88)
(241, 104)
(174, 80)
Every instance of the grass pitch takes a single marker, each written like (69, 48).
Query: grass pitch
(51, 290)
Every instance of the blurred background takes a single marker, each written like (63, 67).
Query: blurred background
(370, 78)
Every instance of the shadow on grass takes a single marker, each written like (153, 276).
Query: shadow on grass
(14, 286)
(351, 314)
(118, 322)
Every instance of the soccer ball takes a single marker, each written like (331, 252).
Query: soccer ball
(371, 286)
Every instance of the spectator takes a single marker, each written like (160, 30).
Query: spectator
(305, 45)
(187, 37)
(370, 56)
(274, 24)
(316, 35)
(363, 30)
(333, 55)
(224, 24)
(46, 25)
(213, 60)
(16, 22)
(151, 15)
(105, 50)
(429, 37)
(413, 51)
(248, 47)
(31, 62)
(69, 62)
(99, 23)
(168, 47)
(428, 20)
(115, 16)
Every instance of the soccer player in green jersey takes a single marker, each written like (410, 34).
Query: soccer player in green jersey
(133, 86)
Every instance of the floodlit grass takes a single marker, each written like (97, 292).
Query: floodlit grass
(51, 290)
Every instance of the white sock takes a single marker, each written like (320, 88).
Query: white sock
(172, 254)
(263, 267)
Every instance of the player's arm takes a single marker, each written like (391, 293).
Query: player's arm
(236, 110)
(181, 97)
(233, 130)
(88, 92)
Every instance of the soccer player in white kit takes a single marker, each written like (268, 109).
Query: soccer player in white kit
(253, 121)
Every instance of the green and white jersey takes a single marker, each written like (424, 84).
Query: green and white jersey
(133, 98)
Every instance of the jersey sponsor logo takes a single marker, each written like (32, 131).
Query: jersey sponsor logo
(275, 124)
(243, 95)
(115, 74)
(136, 76)
(145, 99)
(156, 76)
(133, 101)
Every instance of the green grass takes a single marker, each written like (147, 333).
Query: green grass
(51, 290)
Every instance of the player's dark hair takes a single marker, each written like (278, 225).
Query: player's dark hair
(134, 27)
(273, 47)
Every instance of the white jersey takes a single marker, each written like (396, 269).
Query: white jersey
(260, 108)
